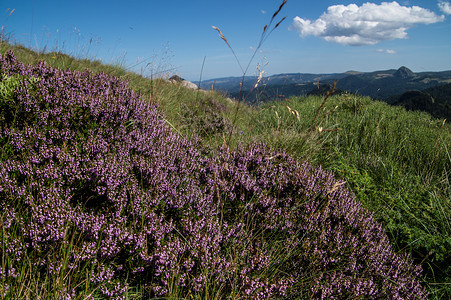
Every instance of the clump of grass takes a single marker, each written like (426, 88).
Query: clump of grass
(206, 119)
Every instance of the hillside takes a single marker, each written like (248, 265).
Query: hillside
(382, 85)
(378, 84)
(114, 185)
(231, 85)
(435, 101)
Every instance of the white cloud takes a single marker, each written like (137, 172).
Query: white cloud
(445, 7)
(388, 51)
(263, 12)
(365, 25)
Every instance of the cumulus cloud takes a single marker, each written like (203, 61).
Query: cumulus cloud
(388, 51)
(365, 25)
(445, 7)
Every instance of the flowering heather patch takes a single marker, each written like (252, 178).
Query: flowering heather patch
(339, 246)
(97, 192)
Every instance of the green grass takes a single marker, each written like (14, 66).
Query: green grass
(396, 162)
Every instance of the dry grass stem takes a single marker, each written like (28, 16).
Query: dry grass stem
(263, 37)
(329, 93)
(293, 112)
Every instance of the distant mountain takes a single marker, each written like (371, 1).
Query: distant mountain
(404, 72)
(383, 84)
(379, 85)
(231, 85)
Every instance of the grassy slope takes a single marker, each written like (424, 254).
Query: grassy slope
(396, 162)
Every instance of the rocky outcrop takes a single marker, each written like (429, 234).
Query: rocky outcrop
(404, 72)
(183, 82)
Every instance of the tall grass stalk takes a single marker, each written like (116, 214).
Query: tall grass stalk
(267, 30)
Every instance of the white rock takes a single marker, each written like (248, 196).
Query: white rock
(189, 85)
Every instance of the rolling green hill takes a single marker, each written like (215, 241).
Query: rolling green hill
(435, 100)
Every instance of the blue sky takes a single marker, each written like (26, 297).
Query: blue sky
(173, 37)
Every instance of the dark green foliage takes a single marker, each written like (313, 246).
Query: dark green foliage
(323, 89)
(436, 101)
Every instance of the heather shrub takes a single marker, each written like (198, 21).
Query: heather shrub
(332, 247)
(100, 198)
(90, 164)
